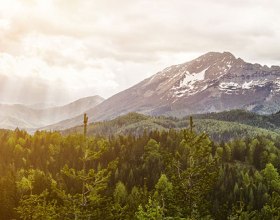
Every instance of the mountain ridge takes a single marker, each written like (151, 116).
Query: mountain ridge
(213, 82)
(24, 117)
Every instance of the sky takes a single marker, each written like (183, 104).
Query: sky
(56, 51)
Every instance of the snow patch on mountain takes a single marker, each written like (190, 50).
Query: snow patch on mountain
(189, 85)
(247, 85)
(277, 83)
(192, 78)
(229, 87)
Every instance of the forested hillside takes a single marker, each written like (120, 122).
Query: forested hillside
(222, 126)
(168, 174)
(271, 122)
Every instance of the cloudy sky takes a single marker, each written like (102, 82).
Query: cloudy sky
(56, 51)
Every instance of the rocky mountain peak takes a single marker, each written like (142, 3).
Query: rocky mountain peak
(212, 61)
(216, 56)
(192, 77)
(220, 74)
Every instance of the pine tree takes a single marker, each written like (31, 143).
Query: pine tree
(195, 172)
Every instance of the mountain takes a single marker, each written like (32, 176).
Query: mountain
(24, 117)
(213, 82)
(42, 105)
(219, 126)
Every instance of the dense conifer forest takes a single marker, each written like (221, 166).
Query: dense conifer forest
(156, 174)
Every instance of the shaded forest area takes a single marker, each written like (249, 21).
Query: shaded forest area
(168, 174)
(222, 126)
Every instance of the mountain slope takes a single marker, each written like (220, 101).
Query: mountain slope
(12, 116)
(213, 82)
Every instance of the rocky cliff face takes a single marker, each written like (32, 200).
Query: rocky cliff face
(217, 82)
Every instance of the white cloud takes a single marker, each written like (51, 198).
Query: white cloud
(80, 48)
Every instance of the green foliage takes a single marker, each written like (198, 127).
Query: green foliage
(152, 211)
(152, 161)
(164, 194)
(120, 206)
(37, 207)
(149, 174)
(195, 172)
